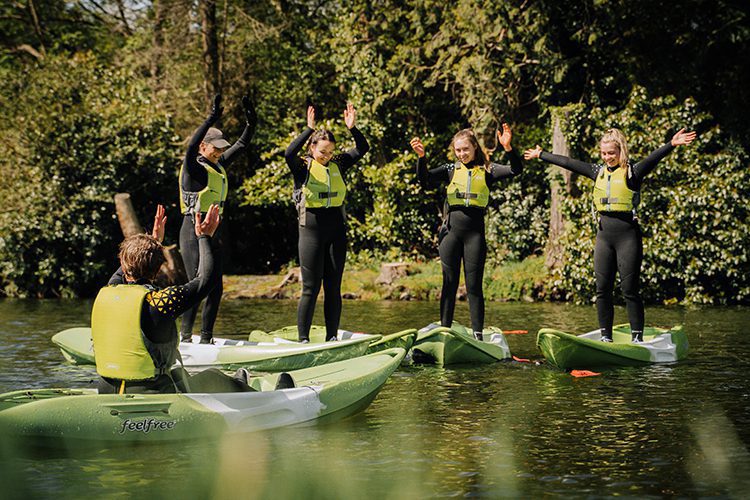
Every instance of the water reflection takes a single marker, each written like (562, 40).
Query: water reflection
(502, 430)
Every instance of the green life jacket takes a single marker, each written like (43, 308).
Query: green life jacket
(215, 192)
(468, 187)
(323, 188)
(611, 192)
(121, 350)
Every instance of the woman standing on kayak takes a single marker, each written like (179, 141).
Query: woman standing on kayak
(619, 242)
(203, 182)
(462, 234)
(319, 194)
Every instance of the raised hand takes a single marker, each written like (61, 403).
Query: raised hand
(505, 137)
(160, 223)
(682, 137)
(216, 109)
(532, 153)
(208, 226)
(310, 117)
(417, 146)
(350, 115)
(250, 117)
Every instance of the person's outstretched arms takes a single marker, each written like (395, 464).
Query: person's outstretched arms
(580, 167)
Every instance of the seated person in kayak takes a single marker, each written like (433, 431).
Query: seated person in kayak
(133, 322)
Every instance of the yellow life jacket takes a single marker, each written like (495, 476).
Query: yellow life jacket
(611, 192)
(468, 187)
(215, 192)
(120, 349)
(325, 187)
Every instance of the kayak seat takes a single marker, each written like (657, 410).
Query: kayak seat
(285, 381)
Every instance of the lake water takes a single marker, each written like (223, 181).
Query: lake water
(501, 430)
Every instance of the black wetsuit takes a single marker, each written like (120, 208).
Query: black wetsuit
(163, 307)
(619, 244)
(322, 240)
(464, 239)
(194, 179)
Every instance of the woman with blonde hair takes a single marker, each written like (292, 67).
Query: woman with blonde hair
(461, 235)
(619, 242)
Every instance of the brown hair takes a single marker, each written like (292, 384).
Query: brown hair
(479, 152)
(141, 256)
(615, 135)
(320, 135)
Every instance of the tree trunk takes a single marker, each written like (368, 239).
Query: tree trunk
(172, 271)
(37, 28)
(554, 256)
(158, 50)
(211, 63)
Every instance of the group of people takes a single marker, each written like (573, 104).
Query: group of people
(133, 326)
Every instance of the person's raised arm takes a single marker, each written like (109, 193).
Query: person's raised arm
(361, 146)
(580, 167)
(645, 166)
(251, 121)
(498, 171)
(427, 176)
(291, 155)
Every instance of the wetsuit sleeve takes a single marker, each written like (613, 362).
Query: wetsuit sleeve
(498, 171)
(291, 155)
(238, 147)
(164, 306)
(579, 167)
(194, 174)
(352, 156)
(645, 166)
(118, 278)
(430, 177)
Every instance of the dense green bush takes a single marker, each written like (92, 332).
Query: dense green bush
(694, 219)
(83, 132)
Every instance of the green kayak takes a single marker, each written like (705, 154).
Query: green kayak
(73, 418)
(568, 351)
(447, 346)
(404, 339)
(274, 355)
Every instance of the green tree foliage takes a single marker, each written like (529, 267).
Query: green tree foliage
(696, 232)
(83, 132)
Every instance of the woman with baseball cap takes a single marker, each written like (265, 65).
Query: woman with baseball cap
(203, 182)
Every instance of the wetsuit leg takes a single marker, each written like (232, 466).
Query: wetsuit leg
(333, 272)
(191, 259)
(451, 252)
(311, 259)
(475, 255)
(605, 268)
(629, 259)
(211, 306)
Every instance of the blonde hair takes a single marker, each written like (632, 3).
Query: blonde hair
(616, 136)
(141, 256)
(479, 152)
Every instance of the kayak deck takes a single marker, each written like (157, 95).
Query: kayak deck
(456, 345)
(404, 339)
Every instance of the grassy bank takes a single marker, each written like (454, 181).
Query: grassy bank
(513, 281)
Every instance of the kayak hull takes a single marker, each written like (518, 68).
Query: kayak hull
(447, 346)
(73, 418)
(270, 356)
(568, 351)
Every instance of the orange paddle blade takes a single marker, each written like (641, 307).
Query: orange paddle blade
(583, 373)
(515, 332)
(521, 360)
